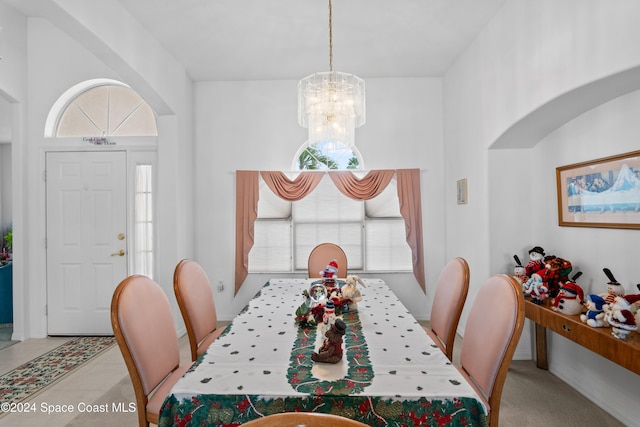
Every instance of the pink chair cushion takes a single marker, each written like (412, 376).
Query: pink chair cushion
(436, 339)
(155, 402)
(147, 325)
(197, 296)
(490, 326)
(447, 296)
(204, 345)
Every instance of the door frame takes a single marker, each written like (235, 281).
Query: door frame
(138, 150)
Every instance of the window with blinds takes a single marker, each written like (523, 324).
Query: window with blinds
(372, 233)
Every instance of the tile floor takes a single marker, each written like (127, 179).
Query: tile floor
(85, 385)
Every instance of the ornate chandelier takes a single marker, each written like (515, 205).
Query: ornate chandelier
(331, 104)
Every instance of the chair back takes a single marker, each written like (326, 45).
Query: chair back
(448, 302)
(195, 299)
(143, 326)
(322, 255)
(303, 419)
(491, 335)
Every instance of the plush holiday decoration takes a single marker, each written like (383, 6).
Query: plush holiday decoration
(351, 292)
(570, 298)
(536, 261)
(595, 316)
(536, 287)
(519, 272)
(614, 288)
(559, 269)
(620, 317)
(331, 349)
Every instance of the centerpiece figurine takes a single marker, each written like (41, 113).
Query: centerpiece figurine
(324, 300)
(331, 349)
(330, 276)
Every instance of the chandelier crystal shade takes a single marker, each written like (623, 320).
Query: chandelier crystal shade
(331, 104)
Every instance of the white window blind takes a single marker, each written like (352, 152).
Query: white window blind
(371, 233)
(143, 224)
(326, 215)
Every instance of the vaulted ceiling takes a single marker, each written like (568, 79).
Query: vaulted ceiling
(289, 39)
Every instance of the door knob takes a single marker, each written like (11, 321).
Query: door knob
(121, 236)
(119, 253)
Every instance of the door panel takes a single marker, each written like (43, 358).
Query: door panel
(86, 211)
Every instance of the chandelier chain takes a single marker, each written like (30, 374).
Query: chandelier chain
(330, 37)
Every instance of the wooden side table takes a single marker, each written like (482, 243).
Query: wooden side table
(598, 340)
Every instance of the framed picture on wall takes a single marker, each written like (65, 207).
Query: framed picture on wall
(462, 191)
(600, 193)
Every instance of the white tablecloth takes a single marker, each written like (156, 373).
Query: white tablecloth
(389, 362)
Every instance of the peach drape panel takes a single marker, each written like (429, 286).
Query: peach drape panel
(246, 213)
(411, 211)
(349, 184)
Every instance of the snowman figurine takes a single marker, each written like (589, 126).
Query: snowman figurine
(570, 298)
(519, 272)
(614, 288)
(595, 314)
(536, 261)
(329, 316)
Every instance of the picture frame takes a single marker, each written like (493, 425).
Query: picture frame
(462, 191)
(603, 192)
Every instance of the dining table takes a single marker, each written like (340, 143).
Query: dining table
(391, 372)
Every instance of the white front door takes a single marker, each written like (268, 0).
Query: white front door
(86, 239)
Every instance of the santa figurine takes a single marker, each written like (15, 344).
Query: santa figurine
(620, 316)
(570, 298)
(330, 274)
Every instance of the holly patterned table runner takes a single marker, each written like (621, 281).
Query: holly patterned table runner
(391, 372)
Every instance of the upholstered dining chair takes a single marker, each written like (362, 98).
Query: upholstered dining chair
(143, 326)
(303, 419)
(448, 301)
(320, 257)
(491, 335)
(195, 299)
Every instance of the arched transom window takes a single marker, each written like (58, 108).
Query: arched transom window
(106, 110)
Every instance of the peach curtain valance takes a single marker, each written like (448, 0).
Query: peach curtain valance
(364, 188)
(368, 187)
(291, 190)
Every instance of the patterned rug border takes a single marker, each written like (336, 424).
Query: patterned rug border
(31, 378)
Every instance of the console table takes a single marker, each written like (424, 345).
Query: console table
(599, 340)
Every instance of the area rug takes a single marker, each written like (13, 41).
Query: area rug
(32, 377)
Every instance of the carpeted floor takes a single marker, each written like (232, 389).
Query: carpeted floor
(29, 379)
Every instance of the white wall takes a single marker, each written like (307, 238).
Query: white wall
(253, 125)
(612, 128)
(48, 60)
(509, 82)
(13, 88)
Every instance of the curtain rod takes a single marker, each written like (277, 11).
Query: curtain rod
(327, 171)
